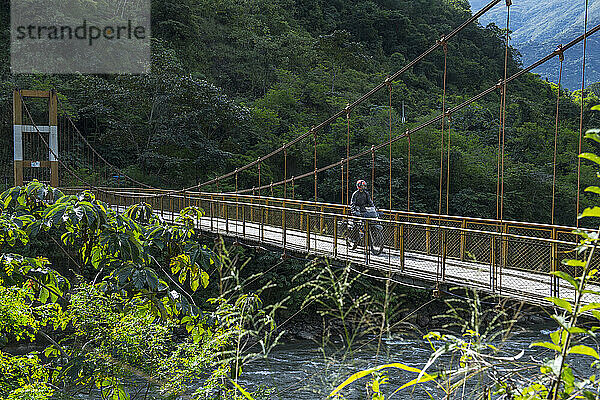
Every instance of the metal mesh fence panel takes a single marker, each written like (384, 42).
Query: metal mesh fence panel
(292, 220)
(416, 238)
(478, 247)
(529, 231)
(567, 251)
(452, 242)
(324, 236)
(527, 254)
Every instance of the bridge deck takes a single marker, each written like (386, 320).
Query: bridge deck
(529, 286)
(512, 259)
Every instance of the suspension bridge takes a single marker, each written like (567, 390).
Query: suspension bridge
(509, 258)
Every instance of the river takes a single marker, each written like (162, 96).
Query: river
(302, 370)
(307, 370)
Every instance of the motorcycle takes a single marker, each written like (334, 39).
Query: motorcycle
(354, 231)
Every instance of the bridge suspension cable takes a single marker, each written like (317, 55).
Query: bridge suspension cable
(449, 112)
(441, 235)
(362, 99)
(561, 58)
(408, 177)
(448, 168)
(443, 118)
(390, 146)
(69, 136)
(313, 131)
(47, 145)
(503, 96)
(95, 152)
(585, 35)
(502, 125)
(347, 153)
(346, 112)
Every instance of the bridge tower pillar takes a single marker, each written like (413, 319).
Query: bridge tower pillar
(19, 128)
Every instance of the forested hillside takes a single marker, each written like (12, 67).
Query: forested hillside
(542, 25)
(232, 80)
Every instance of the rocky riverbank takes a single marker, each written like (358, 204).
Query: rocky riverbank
(419, 320)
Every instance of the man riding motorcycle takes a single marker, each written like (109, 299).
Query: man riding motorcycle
(361, 199)
(362, 205)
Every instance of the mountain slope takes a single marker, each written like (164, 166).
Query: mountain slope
(539, 26)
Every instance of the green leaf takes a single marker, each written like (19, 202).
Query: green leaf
(96, 256)
(44, 294)
(151, 279)
(88, 209)
(242, 391)
(34, 228)
(593, 134)
(138, 279)
(123, 274)
(183, 275)
(119, 393)
(369, 371)
(194, 284)
(591, 157)
(50, 351)
(591, 306)
(589, 395)
(547, 345)
(584, 350)
(593, 189)
(562, 303)
(67, 238)
(568, 379)
(566, 277)
(587, 291)
(590, 212)
(575, 263)
(417, 380)
(596, 107)
(556, 336)
(57, 218)
(204, 278)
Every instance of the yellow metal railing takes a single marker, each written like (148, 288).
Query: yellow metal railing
(499, 256)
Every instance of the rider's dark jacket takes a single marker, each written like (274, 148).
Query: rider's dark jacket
(360, 200)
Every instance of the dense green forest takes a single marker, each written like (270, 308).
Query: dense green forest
(233, 80)
(118, 296)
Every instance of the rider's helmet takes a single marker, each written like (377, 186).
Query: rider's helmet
(361, 184)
